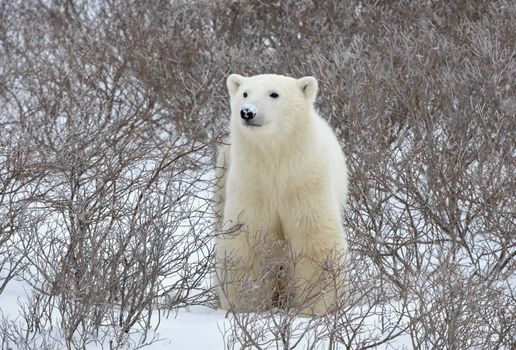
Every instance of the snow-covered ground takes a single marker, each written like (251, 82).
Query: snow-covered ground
(193, 328)
(196, 328)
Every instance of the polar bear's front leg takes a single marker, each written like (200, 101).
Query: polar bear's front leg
(245, 253)
(314, 231)
(319, 280)
(234, 266)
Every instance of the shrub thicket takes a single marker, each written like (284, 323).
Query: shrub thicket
(109, 116)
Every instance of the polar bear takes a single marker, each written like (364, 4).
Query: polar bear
(282, 177)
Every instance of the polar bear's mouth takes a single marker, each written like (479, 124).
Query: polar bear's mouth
(251, 124)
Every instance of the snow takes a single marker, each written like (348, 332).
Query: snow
(14, 293)
(194, 328)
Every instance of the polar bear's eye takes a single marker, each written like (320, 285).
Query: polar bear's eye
(274, 95)
(245, 94)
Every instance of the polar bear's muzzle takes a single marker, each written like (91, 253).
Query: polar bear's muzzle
(248, 113)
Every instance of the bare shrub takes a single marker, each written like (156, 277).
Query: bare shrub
(105, 198)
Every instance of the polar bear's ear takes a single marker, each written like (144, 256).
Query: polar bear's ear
(234, 81)
(309, 87)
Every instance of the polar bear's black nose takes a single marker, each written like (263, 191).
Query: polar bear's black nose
(247, 113)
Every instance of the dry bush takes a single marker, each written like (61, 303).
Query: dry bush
(109, 113)
(106, 201)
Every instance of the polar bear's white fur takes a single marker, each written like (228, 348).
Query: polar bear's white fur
(282, 177)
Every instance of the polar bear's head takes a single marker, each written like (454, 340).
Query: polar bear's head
(270, 104)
